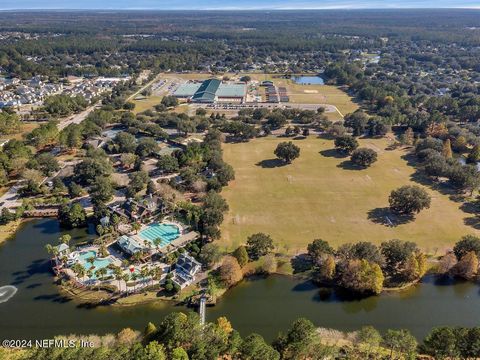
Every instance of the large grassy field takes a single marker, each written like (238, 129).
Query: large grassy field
(320, 196)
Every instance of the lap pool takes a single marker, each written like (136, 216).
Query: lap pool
(166, 232)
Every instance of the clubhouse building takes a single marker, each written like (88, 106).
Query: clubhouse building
(212, 91)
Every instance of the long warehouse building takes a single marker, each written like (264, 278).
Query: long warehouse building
(212, 91)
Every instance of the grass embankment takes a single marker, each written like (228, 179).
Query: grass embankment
(8, 231)
(320, 196)
(84, 295)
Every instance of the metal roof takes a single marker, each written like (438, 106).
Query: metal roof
(231, 90)
(129, 244)
(187, 89)
(206, 91)
(209, 89)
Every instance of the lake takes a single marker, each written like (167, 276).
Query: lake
(308, 80)
(262, 305)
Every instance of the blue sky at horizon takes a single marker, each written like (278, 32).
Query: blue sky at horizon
(234, 4)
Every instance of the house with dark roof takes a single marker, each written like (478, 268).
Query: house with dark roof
(185, 270)
(145, 208)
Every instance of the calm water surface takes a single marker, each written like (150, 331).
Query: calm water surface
(308, 80)
(263, 305)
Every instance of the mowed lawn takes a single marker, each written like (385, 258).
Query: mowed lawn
(317, 197)
(146, 103)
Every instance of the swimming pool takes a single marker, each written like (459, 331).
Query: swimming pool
(166, 232)
(97, 263)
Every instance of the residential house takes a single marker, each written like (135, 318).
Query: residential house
(129, 245)
(185, 270)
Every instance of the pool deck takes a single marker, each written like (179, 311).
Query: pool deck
(184, 238)
(180, 242)
(116, 258)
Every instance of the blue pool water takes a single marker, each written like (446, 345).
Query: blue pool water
(166, 232)
(308, 80)
(97, 263)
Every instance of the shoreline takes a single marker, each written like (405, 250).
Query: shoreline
(95, 297)
(8, 231)
(91, 295)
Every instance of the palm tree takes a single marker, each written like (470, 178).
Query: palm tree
(136, 226)
(100, 229)
(157, 241)
(134, 278)
(147, 243)
(144, 273)
(91, 260)
(115, 221)
(137, 256)
(156, 273)
(79, 270)
(65, 239)
(126, 277)
(100, 274)
(51, 250)
(118, 275)
(117, 272)
(103, 250)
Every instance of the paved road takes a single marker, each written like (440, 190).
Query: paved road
(11, 198)
(77, 118)
(156, 78)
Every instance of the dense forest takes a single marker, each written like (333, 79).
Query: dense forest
(60, 43)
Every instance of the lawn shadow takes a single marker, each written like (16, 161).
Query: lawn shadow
(470, 207)
(325, 136)
(271, 163)
(473, 221)
(332, 153)
(384, 216)
(348, 165)
(443, 187)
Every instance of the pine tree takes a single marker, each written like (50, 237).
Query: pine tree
(409, 136)
(447, 149)
(241, 255)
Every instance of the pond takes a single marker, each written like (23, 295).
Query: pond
(308, 80)
(262, 305)
(462, 160)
